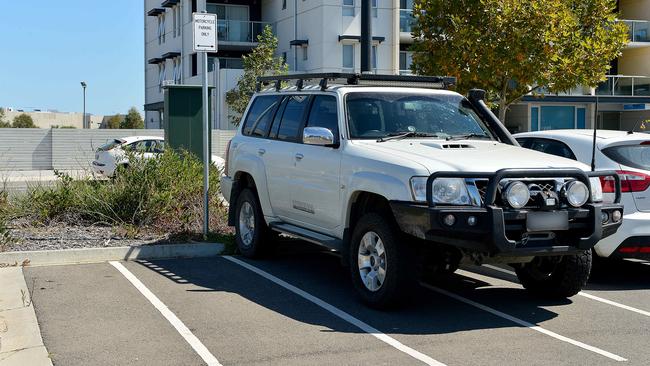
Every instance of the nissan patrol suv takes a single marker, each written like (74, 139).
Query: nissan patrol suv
(406, 178)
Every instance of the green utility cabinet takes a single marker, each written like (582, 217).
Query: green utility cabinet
(183, 118)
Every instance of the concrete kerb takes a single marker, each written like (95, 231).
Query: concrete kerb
(96, 255)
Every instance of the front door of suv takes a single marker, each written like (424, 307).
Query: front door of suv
(314, 183)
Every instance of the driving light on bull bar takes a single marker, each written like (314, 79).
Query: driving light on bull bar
(576, 193)
(516, 194)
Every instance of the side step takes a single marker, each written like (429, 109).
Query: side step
(308, 235)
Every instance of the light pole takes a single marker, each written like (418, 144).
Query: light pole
(83, 123)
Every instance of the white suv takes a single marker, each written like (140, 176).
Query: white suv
(403, 178)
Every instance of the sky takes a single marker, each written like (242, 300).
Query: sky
(48, 47)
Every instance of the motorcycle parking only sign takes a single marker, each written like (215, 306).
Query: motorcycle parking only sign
(205, 32)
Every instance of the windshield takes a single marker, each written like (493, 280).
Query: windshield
(635, 156)
(377, 115)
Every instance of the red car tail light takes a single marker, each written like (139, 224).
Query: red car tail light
(630, 182)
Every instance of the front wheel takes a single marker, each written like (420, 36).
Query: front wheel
(252, 235)
(556, 277)
(380, 265)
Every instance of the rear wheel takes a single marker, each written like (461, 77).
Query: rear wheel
(381, 267)
(556, 277)
(251, 232)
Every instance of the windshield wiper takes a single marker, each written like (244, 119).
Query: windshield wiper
(467, 136)
(403, 135)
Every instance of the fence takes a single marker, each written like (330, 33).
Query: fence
(46, 149)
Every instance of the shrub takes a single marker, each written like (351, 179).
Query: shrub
(5, 235)
(165, 194)
(23, 120)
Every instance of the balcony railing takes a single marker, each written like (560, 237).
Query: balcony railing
(406, 20)
(239, 31)
(638, 30)
(625, 86)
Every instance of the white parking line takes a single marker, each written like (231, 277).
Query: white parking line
(584, 294)
(340, 313)
(526, 324)
(169, 315)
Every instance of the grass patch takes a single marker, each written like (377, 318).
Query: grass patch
(164, 195)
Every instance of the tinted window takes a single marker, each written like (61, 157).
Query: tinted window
(292, 117)
(375, 115)
(323, 114)
(525, 142)
(635, 156)
(552, 147)
(260, 115)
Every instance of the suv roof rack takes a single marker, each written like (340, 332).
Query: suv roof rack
(434, 82)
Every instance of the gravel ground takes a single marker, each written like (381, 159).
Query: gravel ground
(62, 236)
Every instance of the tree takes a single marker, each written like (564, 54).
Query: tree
(260, 62)
(3, 123)
(114, 122)
(23, 120)
(133, 119)
(512, 48)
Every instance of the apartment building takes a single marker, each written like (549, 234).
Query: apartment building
(623, 100)
(313, 36)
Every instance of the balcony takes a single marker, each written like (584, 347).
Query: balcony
(629, 86)
(638, 32)
(238, 32)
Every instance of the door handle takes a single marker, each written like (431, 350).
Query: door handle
(299, 156)
(261, 151)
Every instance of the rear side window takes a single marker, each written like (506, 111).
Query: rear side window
(323, 114)
(293, 117)
(635, 156)
(552, 147)
(260, 115)
(110, 145)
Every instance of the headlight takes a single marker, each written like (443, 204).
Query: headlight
(576, 193)
(516, 194)
(444, 190)
(596, 189)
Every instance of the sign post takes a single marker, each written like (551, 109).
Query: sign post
(205, 40)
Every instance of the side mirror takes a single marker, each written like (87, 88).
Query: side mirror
(318, 136)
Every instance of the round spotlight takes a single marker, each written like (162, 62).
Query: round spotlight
(516, 194)
(449, 220)
(471, 221)
(604, 217)
(576, 193)
(617, 216)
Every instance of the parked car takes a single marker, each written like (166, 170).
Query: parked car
(402, 179)
(628, 154)
(113, 154)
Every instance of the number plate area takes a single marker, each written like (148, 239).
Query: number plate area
(547, 221)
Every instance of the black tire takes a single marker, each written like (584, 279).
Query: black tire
(258, 243)
(556, 277)
(400, 276)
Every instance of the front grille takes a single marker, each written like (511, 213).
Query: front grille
(543, 185)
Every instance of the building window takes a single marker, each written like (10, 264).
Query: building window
(174, 20)
(374, 8)
(178, 70)
(348, 8)
(405, 61)
(195, 65)
(284, 4)
(161, 75)
(348, 57)
(374, 58)
(161, 28)
(305, 53)
(284, 57)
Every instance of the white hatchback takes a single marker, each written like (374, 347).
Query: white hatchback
(113, 154)
(626, 152)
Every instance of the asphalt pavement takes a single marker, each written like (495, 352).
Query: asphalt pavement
(298, 307)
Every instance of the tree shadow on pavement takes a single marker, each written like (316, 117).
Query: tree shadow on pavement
(319, 272)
